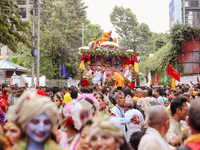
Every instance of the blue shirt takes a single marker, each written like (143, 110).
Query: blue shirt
(160, 100)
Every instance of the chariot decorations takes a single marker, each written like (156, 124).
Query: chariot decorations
(106, 64)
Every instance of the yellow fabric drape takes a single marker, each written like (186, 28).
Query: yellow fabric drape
(82, 65)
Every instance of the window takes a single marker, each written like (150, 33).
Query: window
(23, 13)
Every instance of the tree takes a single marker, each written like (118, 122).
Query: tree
(62, 34)
(131, 34)
(60, 37)
(13, 29)
(93, 33)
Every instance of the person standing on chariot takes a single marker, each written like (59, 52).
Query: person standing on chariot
(103, 76)
(97, 77)
(127, 72)
(128, 75)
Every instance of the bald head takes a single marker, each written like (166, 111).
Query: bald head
(194, 114)
(157, 115)
(138, 92)
(144, 93)
(100, 89)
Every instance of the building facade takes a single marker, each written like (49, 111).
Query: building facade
(5, 52)
(25, 4)
(191, 15)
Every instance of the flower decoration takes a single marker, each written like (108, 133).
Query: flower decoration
(109, 52)
(134, 75)
(126, 81)
(109, 82)
(80, 74)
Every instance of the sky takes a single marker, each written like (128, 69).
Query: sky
(155, 13)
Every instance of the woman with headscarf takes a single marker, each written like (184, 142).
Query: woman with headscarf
(75, 114)
(36, 115)
(68, 136)
(105, 133)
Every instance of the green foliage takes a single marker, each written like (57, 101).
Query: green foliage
(131, 34)
(60, 37)
(13, 29)
(158, 62)
(22, 57)
(157, 40)
(160, 42)
(168, 53)
(93, 32)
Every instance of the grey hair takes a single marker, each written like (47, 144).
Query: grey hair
(157, 115)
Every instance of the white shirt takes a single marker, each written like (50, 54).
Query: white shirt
(174, 129)
(97, 77)
(128, 74)
(152, 140)
(134, 127)
(120, 113)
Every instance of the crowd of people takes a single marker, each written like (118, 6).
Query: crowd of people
(100, 118)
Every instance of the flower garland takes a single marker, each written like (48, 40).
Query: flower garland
(134, 75)
(109, 82)
(80, 73)
(90, 81)
(108, 52)
(126, 81)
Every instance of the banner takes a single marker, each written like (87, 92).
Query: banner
(174, 74)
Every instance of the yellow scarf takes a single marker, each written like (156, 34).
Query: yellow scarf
(49, 145)
(193, 138)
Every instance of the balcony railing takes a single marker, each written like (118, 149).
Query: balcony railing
(21, 2)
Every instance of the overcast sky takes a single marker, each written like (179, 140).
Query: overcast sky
(155, 13)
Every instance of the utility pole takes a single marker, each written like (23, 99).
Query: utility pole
(33, 43)
(82, 34)
(38, 45)
(183, 11)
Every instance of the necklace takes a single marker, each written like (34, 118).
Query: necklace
(71, 138)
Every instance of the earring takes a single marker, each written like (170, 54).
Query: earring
(63, 129)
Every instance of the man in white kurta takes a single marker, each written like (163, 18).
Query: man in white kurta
(97, 77)
(128, 73)
(158, 120)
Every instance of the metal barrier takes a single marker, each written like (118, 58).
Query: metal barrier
(61, 83)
